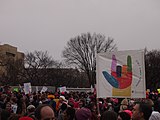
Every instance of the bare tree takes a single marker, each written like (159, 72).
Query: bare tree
(152, 67)
(81, 51)
(37, 64)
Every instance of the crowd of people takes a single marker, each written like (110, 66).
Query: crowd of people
(76, 106)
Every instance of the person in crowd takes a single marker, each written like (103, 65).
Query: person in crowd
(157, 104)
(30, 109)
(61, 100)
(115, 104)
(155, 114)
(109, 115)
(83, 114)
(62, 110)
(2, 100)
(44, 112)
(131, 104)
(4, 114)
(52, 102)
(92, 106)
(35, 101)
(81, 103)
(15, 117)
(125, 115)
(69, 114)
(141, 111)
(124, 105)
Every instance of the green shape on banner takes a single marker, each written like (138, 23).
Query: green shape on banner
(15, 89)
(158, 90)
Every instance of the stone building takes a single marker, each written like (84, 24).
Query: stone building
(8, 52)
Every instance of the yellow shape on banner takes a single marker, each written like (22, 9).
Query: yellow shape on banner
(122, 92)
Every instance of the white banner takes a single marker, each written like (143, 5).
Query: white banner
(44, 89)
(36, 89)
(27, 88)
(121, 74)
(14, 108)
(92, 89)
(62, 89)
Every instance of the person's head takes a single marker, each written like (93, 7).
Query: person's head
(92, 106)
(63, 106)
(81, 103)
(69, 114)
(141, 111)
(5, 114)
(31, 108)
(123, 116)
(44, 112)
(62, 99)
(150, 103)
(124, 105)
(109, 115)
(25, 118)
(8, 107)
(83, 114)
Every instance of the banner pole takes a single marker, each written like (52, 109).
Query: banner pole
(97, 99)
(98, 110)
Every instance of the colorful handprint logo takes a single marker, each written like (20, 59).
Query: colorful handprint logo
(121, 75)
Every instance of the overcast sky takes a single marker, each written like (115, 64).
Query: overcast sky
(47, 25)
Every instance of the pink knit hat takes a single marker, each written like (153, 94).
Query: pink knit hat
(128, 112)
(25, 118)
(83, 114)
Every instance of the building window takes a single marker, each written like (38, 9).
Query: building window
(10, 54)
